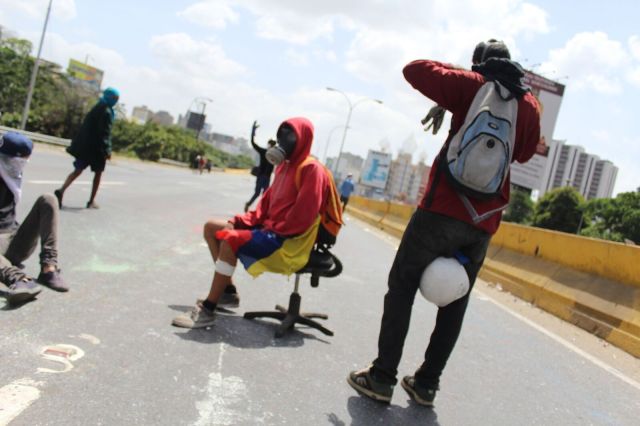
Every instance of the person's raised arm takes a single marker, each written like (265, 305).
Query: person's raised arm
(260, 150)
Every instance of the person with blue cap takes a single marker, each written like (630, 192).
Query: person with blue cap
(92, 145)
(19, 241)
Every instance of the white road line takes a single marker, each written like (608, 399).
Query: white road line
(15, 398)
(569, 345)
(76, 182)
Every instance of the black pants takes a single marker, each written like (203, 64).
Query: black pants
(262, 184)
(427, 237)
(40, 224)
(345, 201)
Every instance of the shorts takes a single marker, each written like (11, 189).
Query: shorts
(80, 165)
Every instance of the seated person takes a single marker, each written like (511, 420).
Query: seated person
(18, 242)
(279, 235)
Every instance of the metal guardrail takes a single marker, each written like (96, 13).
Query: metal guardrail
(38, 137)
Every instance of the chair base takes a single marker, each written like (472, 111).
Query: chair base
(291, 316)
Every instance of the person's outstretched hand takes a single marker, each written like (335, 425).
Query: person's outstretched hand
(435, 116)
(253, 129)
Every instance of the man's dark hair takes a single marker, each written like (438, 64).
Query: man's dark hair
(271, 142)
(490, 49)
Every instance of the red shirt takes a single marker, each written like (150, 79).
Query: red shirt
(454, 90)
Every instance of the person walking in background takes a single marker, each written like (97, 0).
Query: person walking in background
(92, 145)
(346, 189)
(19, 241)
(449, 219)
(263, 170)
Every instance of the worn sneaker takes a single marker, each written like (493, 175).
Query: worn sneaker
(367, 386)
(199, 317)
(58, 195)
(22, 291)
(53, 280)
(421, 395)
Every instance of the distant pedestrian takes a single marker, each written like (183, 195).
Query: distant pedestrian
(18, 241)
(92, 145)
(451, 220)
(346, 189)
(263, 170)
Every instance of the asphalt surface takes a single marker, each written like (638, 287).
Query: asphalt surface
(140, 260)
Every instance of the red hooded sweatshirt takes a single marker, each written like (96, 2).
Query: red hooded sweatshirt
(454, 89)
(284, 208)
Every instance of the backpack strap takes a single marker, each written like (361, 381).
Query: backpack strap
(298, 176)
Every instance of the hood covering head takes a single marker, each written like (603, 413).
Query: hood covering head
(506, 72)
(304, 133)
(110, 96)
(15, 149)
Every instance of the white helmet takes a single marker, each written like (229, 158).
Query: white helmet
(444, 281)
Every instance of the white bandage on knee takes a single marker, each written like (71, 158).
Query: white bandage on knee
(223, 268)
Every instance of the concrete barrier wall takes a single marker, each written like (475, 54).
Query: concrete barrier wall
(615, 261)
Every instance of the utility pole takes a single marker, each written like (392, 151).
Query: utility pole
(34, 72)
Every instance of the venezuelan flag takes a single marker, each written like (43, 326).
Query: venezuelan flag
(264, 251)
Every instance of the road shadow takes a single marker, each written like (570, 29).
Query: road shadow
(72, 209)
(364, 412)
(239, 332)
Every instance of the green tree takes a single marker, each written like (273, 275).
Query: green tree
(520, 208)
(614, 219)
(560, 209)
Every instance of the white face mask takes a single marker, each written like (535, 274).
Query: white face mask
(275, 155)
(11, 172)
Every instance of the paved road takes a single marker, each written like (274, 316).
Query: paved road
(140, 260)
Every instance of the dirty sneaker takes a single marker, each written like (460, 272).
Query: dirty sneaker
(53, 280)
(58, 195)
(22, 291)
(367, 386)
(421, 395)
(199, 317)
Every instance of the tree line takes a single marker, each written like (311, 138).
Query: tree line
(59, 106)
(564, 209)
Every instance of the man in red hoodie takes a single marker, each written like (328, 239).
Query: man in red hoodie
(444, 225)
(287, 211)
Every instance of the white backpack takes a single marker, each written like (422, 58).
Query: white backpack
(479, 154)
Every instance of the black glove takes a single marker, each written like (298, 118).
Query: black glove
(253, 129)
(436, 116)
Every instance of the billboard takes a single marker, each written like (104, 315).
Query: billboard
(376, 169)
(549, 94)
(87, 75)
(195, 121)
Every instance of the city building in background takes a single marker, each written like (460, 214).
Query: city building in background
(162, 118)
(141, 114)
(407, 182)
(349, 163)
(230, 144)
(571, 165)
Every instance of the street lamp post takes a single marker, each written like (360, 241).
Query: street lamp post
(34, 72)
(352, 105)
(326, 147)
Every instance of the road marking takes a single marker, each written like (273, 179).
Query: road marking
(75, 182)
(569, 345)
(16, 397)
(222, 394)
(62, 354)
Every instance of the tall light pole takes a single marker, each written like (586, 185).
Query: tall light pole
(326, 147)
(352, 105)
(34, 72)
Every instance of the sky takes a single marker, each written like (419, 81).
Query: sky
(268, 60)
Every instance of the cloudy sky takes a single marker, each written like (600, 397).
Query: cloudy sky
(272, 59)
